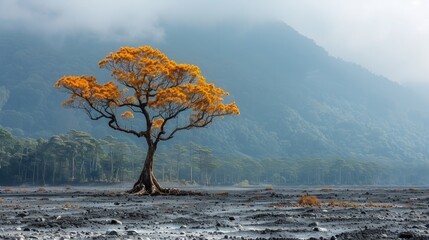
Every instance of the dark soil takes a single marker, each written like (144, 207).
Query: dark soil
(234, 213)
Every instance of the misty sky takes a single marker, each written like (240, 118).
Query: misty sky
(389, 37)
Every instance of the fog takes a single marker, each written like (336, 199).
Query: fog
(389, 37)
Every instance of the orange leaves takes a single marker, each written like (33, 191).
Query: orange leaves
(203, 98)
(153, 85)
(87, 88)
(127, 115)
(156, 123)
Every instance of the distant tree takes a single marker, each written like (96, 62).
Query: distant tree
(167, 97)
(6, 147)
(4, 96)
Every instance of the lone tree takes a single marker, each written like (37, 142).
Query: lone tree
(158, 98)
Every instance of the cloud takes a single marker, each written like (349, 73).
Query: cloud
(389, 37)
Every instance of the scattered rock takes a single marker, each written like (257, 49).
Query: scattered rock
(114, 221)
(23, 214)
(313, 224)
(231, 218)
(112, 233)
(406, 235)
(132, 232)
(183, 226)
(320, 229)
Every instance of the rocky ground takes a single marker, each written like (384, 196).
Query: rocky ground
(222, 213)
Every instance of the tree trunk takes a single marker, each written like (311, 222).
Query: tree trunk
(147, 183)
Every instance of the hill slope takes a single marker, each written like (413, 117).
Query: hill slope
(296, 100)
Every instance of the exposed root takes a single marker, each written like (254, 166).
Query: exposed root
(165, 191)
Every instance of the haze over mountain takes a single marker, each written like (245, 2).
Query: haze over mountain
(296, 100)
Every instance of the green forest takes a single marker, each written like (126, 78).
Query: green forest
(77, 157)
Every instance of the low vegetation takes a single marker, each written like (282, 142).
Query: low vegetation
(308, 201)
(313, 201)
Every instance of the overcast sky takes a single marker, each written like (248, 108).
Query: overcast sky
(389, 37)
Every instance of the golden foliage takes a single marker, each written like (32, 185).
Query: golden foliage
(84, 87)
(156, 123)
(127, 115)
(150, 80)
(327, 189)
(308, 201)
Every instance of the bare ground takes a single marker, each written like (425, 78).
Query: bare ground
(222, 213)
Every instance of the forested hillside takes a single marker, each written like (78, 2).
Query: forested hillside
(77, 157)
(297, 102)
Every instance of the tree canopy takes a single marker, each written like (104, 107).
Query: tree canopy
(150, 85)
(154, 86)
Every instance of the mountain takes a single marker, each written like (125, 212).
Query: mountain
(296, 100)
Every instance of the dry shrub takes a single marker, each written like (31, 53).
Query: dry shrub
(8, 189)
(71, 205)
(221, 193)
(311, 201)
(41, 189)
(281, 205)
(334, 203)
(269, 188)
(379, 205)
(327, 189)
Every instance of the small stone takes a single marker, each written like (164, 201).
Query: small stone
(26, 229)
(406, 235)
(313, 224)
(112, 233)
(384, 235)
(116, 203)
(183, 226)
(58, 218)
(320, 229)
(18, 229)
(114, 221)
(333, 238)
(23, 214)
(231, 218)
(324, 210)
(132, 232)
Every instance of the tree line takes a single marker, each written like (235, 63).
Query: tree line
(77, 157)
